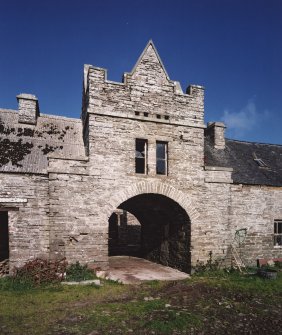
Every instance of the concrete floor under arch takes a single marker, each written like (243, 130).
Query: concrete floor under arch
(160, 231)
(133, 270)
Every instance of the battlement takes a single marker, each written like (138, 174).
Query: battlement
(146, 93)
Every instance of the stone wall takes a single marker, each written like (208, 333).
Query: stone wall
(228, 207)
(26, 199)
(75, 233)
(256, 208)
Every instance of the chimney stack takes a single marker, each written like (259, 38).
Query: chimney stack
(28, 108)
(215, 131)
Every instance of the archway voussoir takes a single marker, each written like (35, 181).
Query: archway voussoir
(163, 188)
(149, 188)
(155, 187)
(131, 192)
(140, 187)
(171, 192)
(187, 202)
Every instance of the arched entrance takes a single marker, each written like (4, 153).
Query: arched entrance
(152, 226)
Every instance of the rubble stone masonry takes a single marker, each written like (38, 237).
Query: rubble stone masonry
(65, 211)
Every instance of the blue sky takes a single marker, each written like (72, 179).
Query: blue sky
(232, 47)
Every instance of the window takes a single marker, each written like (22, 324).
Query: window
(162, 158)
(278, 233)
(141, 149)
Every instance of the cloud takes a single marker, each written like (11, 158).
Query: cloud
(244, 121)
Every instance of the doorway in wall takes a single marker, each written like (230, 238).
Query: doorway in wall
(4, 236)
(159, 231)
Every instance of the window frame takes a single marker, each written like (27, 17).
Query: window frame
(165, 159)
(277, 237)
(145, 158)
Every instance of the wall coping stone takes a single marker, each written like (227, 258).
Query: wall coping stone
(82, 159)
(219, 181)
(218, 168)
(27, 96)
(13, 200)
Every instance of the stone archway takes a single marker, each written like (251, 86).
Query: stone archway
(165, 234)
(156, 187)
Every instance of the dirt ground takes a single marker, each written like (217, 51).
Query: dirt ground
(210, 303)
(226, 312)
(195, 308)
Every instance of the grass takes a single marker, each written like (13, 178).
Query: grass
(237, 281)
(204, 304)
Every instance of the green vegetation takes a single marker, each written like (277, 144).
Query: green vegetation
(78, 272)
(213, 302)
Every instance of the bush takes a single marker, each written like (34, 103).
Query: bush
(78, 272)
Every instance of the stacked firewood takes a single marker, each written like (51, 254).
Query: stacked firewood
(41, 271)
(4, 267)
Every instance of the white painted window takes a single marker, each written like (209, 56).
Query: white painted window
(141, 154)
(278, 233)
(161, 156)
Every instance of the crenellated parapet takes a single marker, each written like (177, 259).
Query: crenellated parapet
(146, 94)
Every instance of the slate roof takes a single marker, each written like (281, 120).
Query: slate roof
(241, 157)
(24, 148)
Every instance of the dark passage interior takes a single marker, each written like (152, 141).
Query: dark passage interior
(4, 236)
(154, 227)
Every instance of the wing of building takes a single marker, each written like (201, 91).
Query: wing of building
(138, 174)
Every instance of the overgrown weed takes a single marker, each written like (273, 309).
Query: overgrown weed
(78, 272)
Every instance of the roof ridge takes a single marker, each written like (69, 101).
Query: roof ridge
(61, 117)
(250, 142)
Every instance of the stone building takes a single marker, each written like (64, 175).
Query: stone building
(139, 174)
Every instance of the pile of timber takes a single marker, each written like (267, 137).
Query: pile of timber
(4, 267)
(41, 271)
